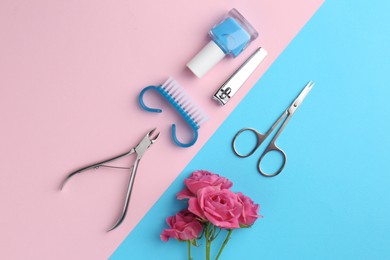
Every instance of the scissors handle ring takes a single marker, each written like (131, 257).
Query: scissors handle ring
(272, 147)
(259, 140)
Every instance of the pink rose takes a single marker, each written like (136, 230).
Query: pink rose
(221, 207)
(200, 179)
(183, 226)
(249, 210)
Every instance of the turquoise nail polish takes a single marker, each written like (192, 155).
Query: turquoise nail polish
(229, 37)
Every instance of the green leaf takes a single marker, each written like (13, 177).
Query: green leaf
(194, 243)
(244, 226)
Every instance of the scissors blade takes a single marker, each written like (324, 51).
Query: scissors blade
(298, 101)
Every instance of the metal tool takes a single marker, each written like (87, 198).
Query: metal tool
(238, 78)
(139, 150)
(260, 138)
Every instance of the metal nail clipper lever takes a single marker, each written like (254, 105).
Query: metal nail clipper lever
(238, 78)
(139, 151)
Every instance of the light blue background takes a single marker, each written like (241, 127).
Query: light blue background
(332, 199)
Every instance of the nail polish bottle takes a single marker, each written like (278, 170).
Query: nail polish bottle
(229, 37)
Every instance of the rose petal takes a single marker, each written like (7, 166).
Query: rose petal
(193, 206)
(185, 193)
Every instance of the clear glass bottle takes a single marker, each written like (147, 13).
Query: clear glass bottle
(229, 37)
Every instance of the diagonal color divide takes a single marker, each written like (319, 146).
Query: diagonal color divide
(72, 72)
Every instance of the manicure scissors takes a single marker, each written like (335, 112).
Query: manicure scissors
(260, 138)
(139, 150)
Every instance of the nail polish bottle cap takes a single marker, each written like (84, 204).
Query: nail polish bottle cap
(210, 55)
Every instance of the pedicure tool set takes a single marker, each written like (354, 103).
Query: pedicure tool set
(260, 138)
(139, 151)
(230, 37)
(183, 104)
(238, 78)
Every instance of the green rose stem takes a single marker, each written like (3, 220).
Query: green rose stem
(224, 243)
(189, 250)
(208, 240)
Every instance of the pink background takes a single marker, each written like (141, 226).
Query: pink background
(71, 72)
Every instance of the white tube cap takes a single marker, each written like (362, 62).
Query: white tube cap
(210, 55)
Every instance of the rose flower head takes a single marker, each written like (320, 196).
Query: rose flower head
(183, 226)
(250, 211)
(201, 179)
(221, 207)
